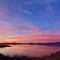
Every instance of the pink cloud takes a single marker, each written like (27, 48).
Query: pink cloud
(21, 25)
(37, 37)
(34, 37)
(3, 12)
(33, 33)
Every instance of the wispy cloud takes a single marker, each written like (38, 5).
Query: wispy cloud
(40, 1)
(17, 26)
(25, 11)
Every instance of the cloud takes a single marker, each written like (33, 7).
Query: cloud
(47, 9)
(3, 11)
(35, 37)
(40, 1)
(7, 30)
(25, 26)
(38, 37)
(24, 31)
(25, 11)
(17, 26)
(31, 33)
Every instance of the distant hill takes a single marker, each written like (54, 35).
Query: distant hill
(49, 43)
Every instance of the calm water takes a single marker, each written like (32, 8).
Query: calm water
(29, 50)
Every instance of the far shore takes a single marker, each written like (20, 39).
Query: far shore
(44, 44)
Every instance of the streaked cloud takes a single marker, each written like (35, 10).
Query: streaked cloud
(33, 37)
(30, 20)
(40, 1)
(18, 26)
(25, 11)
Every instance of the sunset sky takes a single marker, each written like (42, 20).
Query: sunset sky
(29, 20)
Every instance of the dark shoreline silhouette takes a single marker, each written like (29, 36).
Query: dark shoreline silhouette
(4, 45)
(45, 44)
(55, 56)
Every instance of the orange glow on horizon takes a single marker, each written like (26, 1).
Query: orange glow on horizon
(34, 37)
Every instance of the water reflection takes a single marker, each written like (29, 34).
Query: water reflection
(29, 50)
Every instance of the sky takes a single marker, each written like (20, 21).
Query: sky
(29, 20)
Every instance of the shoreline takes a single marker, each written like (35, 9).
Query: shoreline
(55, 56)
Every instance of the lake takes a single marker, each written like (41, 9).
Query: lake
(29, 50)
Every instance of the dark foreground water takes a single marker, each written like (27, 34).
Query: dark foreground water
(29, 50)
